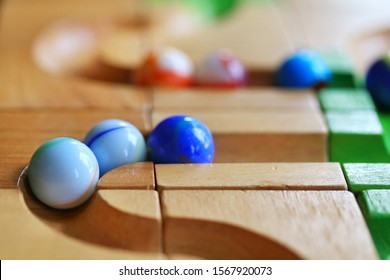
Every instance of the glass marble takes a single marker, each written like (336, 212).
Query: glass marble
(303, 69)
(378, 82)
(165, 67)
(115, 143)
(221, 69)
(63, 173)
(181, 139)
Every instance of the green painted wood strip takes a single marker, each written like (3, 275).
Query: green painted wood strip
(385, 122)
(345, 99)
(356, 137)
(375, 205)
(365, 176)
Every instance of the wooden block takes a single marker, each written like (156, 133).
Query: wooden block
(265, 225)
(70, 47)
(250, 176)
(67, 121)
(114, 225)
(125, 219)
(23, 20)
(356, 136)
(240, 99)
(384, 118)
(375, 205)
(131, 176)
(124, 47)
(24, 85)
(11, 171)
(16, 145)
(332, 99)
(365, 176)
(288, 121)
(263, 136)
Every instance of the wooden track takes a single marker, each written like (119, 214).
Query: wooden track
(271, 193)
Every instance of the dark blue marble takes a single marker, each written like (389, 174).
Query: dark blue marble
(303, 69)
(181, 139)
(378, 83)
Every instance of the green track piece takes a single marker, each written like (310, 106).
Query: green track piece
(356, 137)
(341, 67)
(385, 121)
(375, 205)
(366, 176)
(345, 99)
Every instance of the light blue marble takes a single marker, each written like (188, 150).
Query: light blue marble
(63, 173)
(116, 143)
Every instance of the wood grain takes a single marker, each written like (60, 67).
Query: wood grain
(244, 99)
(131, 176)
(269, 147)
(262, 122)
(250, 176)
(24, 85)
(67, 120)
(300, 224)
(26, 236)
(11, 171)
(124, 219)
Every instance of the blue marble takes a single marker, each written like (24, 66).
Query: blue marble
(63, 173)
(116, 143)
(378, 82)
(181, 139)
(304, 69)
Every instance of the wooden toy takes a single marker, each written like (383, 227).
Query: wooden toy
(297, 174)
(375, 207)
